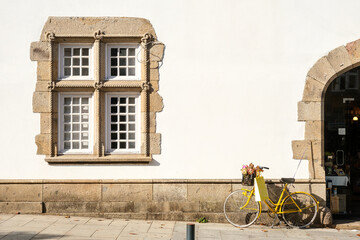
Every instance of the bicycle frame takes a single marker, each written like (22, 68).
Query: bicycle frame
(277, 206)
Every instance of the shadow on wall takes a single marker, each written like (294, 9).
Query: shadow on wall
(153, 163)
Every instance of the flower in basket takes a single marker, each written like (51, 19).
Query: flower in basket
(244, 169)
(258, 171)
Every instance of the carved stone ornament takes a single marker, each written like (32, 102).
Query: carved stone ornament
(145, 86)
(98, 35)
(51, 85)
(98, 85)
(147, 38)
(50, 36)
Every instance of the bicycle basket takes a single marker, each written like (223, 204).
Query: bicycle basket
(248, 180)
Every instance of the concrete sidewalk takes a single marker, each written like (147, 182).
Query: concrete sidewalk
(24, 227)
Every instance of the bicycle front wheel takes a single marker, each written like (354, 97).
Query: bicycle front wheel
(299, 210)
(241, 209)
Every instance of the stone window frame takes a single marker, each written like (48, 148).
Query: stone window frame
(59, 30)
(311, 108)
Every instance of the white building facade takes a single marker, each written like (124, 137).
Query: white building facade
(238, 82)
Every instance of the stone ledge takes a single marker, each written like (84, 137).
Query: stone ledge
(90, 159)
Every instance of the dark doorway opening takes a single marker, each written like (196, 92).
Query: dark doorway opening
(342, 143)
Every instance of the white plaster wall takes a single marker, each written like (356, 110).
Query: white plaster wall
(232, 76)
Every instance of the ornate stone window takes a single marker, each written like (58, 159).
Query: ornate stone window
(97, 90)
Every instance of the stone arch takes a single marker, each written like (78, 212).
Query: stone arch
(311, 107)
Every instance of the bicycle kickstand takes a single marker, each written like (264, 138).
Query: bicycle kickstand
(276, 218)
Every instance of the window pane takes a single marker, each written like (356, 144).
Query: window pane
(114, 145)
(114, 127)
(122, 71)
(131, 127)
(131, 61)
(113, 72)
(122, 100)
(76, 109)
(76, 61)
(122, 136)
(75, 145)
(75, 136)
(67, 71)
(113, 62)
(85, 61)
(131, 71)
(114, 100)
(114, 51)
(67, 118)
(67, 51)
(132, 136)
(131, 51)
(67, 136)
(123, 109)
(85, 145)
(76, 127)
(67, 61)
(132, 145)
(67, 101)
(67, 127)
(113, 109)
(113, 118)
(84, 71)
(84, 100)
(84, 127)
(122, 118)
(131, 100)
(122, 61)
(76, 118)
(122, 52)
(67, 145)
(122, 127)
(76, 71)
(122, 145)
(131, 109)
(76, 100)
(84, 118)
(84, 136)
(76, 52)
(85, 52)
(84, 109)
(67, 109)
(131, 118)
(114, 136)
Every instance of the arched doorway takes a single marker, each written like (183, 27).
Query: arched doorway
(342, 142)
(311, 110)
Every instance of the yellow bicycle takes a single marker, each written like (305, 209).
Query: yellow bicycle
(298, 209)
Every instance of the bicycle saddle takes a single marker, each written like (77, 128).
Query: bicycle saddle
(288, 180)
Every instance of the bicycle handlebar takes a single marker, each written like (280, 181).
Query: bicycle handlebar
(262, 167)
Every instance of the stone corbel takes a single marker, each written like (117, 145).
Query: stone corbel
(50, 36)
(98, 85)
(51, 86)
(98, 35)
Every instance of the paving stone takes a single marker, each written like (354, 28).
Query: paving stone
(107, 233)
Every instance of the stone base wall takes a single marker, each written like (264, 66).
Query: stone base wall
(181, 200)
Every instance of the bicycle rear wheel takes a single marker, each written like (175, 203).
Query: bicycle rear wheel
(241, 209)
(299, 210)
